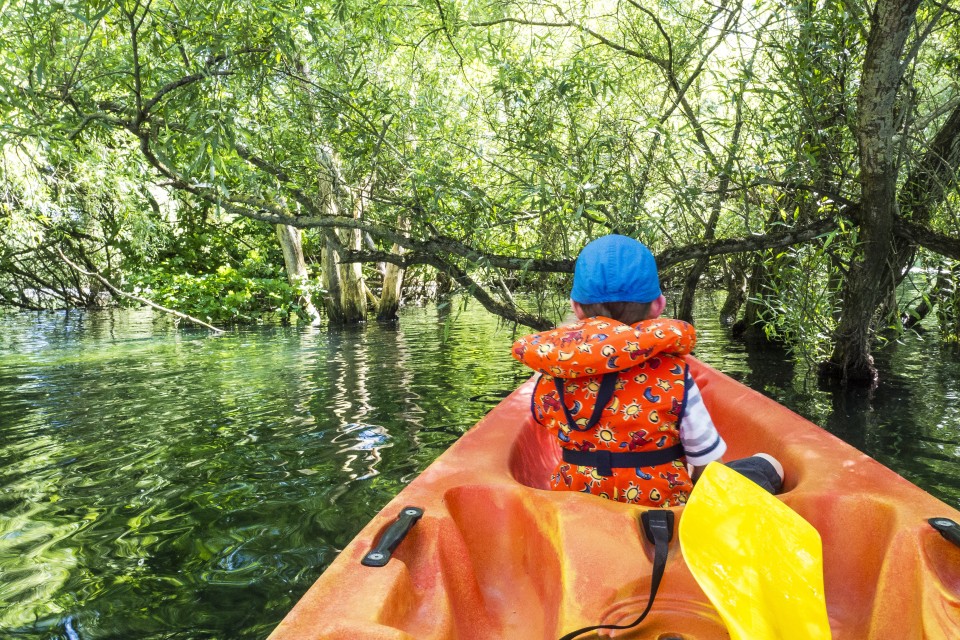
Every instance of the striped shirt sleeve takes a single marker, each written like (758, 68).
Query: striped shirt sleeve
(699, 436)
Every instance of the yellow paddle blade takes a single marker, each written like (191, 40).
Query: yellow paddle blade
(757, 560)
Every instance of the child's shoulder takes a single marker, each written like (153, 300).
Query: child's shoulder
(666, 325)
(671, 336)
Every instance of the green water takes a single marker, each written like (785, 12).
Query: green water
(163, 483)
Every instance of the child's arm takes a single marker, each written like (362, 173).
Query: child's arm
(701, 441)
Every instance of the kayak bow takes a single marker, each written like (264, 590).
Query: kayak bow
(497, 555)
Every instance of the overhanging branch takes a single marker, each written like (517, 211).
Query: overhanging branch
(929, 239)
(423, 251)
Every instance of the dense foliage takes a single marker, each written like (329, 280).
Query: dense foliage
(802, 155)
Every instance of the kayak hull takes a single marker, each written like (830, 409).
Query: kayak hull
(498, 555)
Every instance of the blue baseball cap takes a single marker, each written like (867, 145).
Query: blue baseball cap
(615, 269)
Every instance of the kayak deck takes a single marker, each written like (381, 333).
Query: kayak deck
(498, 555)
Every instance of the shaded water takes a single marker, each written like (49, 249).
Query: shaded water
(162, 483)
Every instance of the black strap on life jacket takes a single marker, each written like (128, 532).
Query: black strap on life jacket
(606, 461)
(604, 395)
(658, 527)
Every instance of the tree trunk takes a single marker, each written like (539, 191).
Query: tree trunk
(345, 298)
(444, 284)
(750, 327)
(736, 285)
(392, 283)
(296, 266)
(331, 279)
(871, 273)
(353, 296)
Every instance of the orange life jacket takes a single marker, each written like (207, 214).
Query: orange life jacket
(638, 412)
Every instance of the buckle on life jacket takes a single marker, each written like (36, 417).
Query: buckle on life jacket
(604, 463)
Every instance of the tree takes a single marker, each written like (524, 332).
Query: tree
(810, 142)
(875, 270)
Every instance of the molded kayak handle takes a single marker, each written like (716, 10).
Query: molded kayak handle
(947, 528)
(383, 548)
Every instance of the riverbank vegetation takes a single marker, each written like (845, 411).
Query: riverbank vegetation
(242, 160)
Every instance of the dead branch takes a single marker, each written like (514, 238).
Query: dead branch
(115, 290)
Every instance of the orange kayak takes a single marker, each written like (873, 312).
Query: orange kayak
(495, 555)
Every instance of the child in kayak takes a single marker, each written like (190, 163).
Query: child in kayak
(616, 389)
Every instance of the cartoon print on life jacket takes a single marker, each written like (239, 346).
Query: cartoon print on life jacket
(673, 479)
(572, 337)
(649, 396)
(676, 408)
(551, 402)
(581, 424)
(632, 411)
(632, 493)
(544, 349)
(614, 406)
(591, 388)
(596, 479)
(606, 436)
(637, 440)
(562, 475)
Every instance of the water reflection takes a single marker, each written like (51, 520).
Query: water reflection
(157, 482)
(160, 483)
(367, 440)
